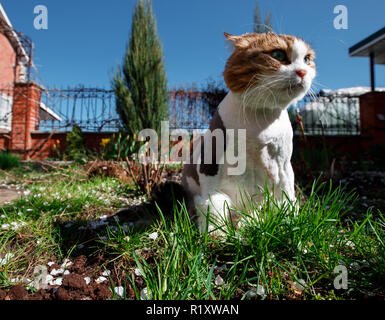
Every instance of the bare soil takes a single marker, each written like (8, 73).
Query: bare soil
(74, 285)
(7, 195)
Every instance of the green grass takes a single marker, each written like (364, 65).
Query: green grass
(278, 246)
(274, 253)
(31, 228)
(8, 160)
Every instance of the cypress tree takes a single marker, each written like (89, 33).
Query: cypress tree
(260, 26)
(140, 85)
(268, 22)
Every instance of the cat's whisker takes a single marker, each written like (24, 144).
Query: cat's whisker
(262, 88)
(245, 96)
(313, 94)
(320, 84)
(248, 93)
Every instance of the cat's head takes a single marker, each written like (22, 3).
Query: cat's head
(270, 68)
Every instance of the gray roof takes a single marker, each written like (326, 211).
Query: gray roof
(375, 43)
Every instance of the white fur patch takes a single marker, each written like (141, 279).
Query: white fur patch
(299, 52)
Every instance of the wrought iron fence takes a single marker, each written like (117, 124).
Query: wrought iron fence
(189, 110)
(93, 110)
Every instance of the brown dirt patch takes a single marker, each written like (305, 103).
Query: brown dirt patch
(74, 286)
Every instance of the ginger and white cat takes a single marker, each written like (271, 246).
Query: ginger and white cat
(266, 73)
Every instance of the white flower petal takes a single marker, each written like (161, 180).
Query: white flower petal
(137, 272)
(106, 273)
(101, 279)
(66, 263)
(153, 235)
(55, 272)
(119, 291)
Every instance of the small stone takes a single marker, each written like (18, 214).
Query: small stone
(261, 291)
(252, 293)
(300, 284)
(219, 281)
(145, 294)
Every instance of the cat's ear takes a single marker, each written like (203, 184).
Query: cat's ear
(238, 41)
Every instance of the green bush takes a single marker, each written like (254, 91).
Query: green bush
(75, 148)
(8, 160)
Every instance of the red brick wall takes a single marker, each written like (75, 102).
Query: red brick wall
(4, 141)
(7, 63)
(46, 145)
(372, 111)
(92, 142)
(25, 116)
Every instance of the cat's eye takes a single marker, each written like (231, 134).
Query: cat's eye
(307, 59)
(279, 55)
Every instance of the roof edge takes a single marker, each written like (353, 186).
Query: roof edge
(4, 16)
(364, 43)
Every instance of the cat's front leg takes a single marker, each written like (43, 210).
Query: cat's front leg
(214, 212)
(289, 188)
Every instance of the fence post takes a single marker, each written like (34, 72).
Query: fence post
(25, 117)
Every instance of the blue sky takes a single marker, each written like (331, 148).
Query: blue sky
(86, 39)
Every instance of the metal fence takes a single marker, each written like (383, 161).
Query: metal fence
(93, 110)
(333, 115)
(189, 110)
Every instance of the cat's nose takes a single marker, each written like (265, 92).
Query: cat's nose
(302, 73)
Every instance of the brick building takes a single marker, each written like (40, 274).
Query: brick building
(20, 99)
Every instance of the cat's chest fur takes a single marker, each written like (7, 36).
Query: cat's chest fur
(266, 157)
(267, 153)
